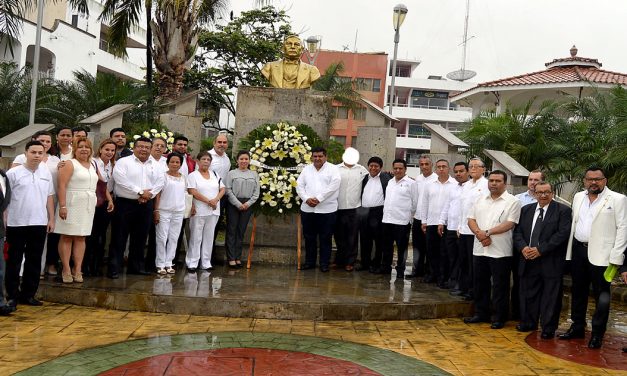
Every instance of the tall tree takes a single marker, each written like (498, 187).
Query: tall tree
(234, 54)
(176, 38)
(342, 89)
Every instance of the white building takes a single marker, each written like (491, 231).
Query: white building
(419, 100)
(72, 42)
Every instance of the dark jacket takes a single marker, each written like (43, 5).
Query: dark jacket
(383, 176)
(553, 238)
(4, 202)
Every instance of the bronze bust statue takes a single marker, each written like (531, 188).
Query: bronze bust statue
(291, 72)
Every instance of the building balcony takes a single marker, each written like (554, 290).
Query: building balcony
(413, 142)
(120, 67)
(434, 114)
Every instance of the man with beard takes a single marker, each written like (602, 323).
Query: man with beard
(598, 237)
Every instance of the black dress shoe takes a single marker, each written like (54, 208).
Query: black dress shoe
(524, 327)
(12, 303)
(474, 320)
(595, 342)
(572, 334)
(429, 279)
(443, 285)
(411, 275)
(497, 325)
(467, 297)
(361, 268)
(113, 275)
(31, 302)
(307, 267)
(324, 268)
(372, 270)
(6, 310)
(191, 270)
(547, 335)
(455, 292)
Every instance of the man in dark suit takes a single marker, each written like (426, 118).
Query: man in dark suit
(5, 198)
(373, 188)
(540, 239)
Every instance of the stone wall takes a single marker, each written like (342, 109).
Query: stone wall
(376, 141)
(261, 105)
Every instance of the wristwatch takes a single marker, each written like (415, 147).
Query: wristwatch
(487, 233)
(141, 193)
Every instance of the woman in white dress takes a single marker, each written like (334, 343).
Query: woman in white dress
(77, 204)
(51, 257)
(207, 188)
(168, 214)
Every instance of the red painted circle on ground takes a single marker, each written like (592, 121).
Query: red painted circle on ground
(610, 355)
(240, 361)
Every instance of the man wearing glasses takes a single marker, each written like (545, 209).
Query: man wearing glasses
(598, 237)
(540, 240)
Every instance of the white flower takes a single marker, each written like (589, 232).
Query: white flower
(136, 137)
(280, 210)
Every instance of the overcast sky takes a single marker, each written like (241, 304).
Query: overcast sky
(509, 37)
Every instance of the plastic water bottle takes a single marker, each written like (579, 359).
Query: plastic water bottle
(610, 272)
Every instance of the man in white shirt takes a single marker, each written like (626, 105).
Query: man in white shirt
(449, 220)
(529, 196)
(30, 215)
(221, 165)
(398, 208)
(598, 238)
(318, 188)
(138, 179)
(373, 188)
(349, 199)
(159, 146)
(472, 190)
(418, 239)
(492, 220)
(435, 198)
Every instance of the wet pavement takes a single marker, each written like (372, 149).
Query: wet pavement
(265, 291)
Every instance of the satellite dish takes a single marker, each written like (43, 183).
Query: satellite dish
(350, 156)
(461, 75)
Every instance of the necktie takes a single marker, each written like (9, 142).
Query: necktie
(535, 234)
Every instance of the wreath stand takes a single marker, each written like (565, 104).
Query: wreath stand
(298, 241)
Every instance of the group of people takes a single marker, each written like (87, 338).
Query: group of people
(470, 236)
(67, 195)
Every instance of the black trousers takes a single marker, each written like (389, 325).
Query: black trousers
(151, 249)
(131, 219)
(498, 270)
(236, 224)
(317, 227)
(95, 242)
(515, 312)
(466, 272)
(452, 252)
(346, 226)
(52, 249)
(370, 231)
(398, 234)
(436, 255)
(419, 243)
(540, 297)
(24, 242)
(583, 274)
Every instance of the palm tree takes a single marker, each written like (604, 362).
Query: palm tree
(175, 29)
(176, 38)
(339, 87)
(87, 94)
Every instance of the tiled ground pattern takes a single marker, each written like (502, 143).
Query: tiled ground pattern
(240, 362)
(37, 334)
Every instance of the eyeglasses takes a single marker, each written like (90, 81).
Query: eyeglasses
(475, 166)
(595, 180)
(544, 193)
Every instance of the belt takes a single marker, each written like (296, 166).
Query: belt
(585, 245)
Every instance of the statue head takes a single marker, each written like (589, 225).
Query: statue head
(292, 47)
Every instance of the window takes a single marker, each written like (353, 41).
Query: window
(429, 99)
(340, 139)
(417, 130)
(376, 85)
(359, 113)
(341, 112)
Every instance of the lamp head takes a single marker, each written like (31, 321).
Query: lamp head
(312, 44)
(400, 11)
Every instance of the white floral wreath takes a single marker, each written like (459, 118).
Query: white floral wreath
(164, 133)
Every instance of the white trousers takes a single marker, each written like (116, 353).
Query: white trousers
(201, 240)
(167, 234)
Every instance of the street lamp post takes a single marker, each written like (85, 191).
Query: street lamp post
(313, 47)
(400, 11)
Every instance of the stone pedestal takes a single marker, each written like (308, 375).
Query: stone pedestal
(261, 105)
(190, 126)
(376, 141)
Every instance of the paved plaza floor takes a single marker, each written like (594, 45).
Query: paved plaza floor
(66, 339)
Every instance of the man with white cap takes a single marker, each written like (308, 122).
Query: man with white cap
(349, 199)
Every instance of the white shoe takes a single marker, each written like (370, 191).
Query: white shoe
(170, 270)
(161, 271)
